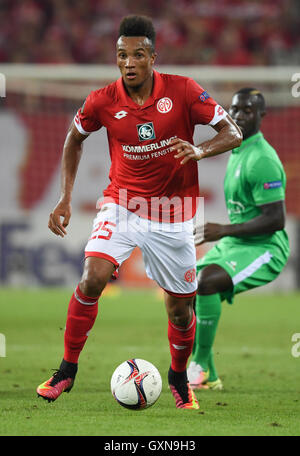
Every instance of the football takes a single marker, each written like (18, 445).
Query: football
(136, 384)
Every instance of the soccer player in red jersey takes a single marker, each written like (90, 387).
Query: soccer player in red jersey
(151, 199)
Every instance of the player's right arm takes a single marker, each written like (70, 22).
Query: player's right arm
(269, 199)
(85, 122)
(72, 151)
(271, 219)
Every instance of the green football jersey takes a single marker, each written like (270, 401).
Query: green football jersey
(254, 177)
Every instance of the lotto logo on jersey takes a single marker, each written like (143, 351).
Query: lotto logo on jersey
(76, 119)
(119, 115)
(220, 111)
(146, 131)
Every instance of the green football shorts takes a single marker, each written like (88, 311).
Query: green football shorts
(249, 265)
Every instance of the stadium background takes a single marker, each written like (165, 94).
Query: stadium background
(53, 52)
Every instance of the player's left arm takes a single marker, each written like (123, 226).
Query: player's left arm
(203, 109)
(271, 219)
(228, 137)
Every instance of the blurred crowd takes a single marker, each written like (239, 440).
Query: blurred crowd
(207, 32)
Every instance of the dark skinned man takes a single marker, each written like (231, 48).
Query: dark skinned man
(252, 249)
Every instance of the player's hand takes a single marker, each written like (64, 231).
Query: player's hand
(59, 218)
(208, 233)
(185, 150)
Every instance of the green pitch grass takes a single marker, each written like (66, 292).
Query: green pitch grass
(253, 356)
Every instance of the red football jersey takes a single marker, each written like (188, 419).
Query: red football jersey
(144, 175)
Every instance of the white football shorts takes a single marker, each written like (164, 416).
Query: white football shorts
(168, 248)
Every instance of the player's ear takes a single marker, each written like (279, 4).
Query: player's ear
(262, 114)
(153, 57)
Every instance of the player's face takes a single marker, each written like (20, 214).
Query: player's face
(244, 111)
(135, 60)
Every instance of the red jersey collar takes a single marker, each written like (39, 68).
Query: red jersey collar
(157, 92)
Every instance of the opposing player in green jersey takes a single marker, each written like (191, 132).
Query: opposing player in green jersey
(252, 249)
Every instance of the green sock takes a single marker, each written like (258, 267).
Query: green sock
(213, 374)
(208, 312)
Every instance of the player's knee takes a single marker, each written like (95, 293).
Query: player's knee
(93, 282)
(92, 286)
(181, 320)
(207, 284)
(206, 287)
(95, 276)
(180, 311)
(213, 279)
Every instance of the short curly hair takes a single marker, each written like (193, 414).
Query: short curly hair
(133, 25)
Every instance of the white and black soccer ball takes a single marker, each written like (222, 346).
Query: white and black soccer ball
(136, 384)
